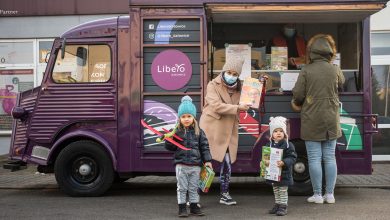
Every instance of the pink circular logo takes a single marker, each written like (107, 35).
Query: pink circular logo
(171, 69)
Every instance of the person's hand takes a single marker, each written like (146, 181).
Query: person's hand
(291, 61)
(266, 162)
(208, 164)
(263, 77)
(280, 163)
(243, 107)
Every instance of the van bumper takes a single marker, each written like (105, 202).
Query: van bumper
(15, 165)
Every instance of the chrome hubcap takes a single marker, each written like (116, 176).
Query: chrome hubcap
(299, 167)
(85, 169)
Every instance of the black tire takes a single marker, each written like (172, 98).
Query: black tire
(302, 182)
(83, 168)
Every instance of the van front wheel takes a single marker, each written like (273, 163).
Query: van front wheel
(83, 168)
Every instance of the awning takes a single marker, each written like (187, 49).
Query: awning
(292, 13)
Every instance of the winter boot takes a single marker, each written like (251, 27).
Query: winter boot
(282, 211)
(274, 209)
(195, 210)
(182, 210)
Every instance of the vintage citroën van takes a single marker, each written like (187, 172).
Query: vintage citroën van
(105, 77)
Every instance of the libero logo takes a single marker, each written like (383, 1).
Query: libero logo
(178, 69)
(171, 69)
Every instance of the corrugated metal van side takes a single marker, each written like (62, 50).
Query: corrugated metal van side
(64, 104)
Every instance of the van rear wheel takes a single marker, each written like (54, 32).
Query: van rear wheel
(83, 168)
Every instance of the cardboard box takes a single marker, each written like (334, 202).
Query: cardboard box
(219, 59)
(206, 178)
(274, 172)
(265, 155)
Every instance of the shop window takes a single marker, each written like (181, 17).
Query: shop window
(44, 50)
(13, 53)
(12, 81)
(380, 60)
(380, 44)
(83, 64)
(381, 106)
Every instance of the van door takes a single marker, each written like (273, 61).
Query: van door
(173, 65)
(79, 90)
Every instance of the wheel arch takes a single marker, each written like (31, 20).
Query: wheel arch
(65, 140)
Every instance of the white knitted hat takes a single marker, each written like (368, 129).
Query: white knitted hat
(278, 122)
(233, 64)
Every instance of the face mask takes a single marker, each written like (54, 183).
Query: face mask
(230, 79)
(289, 32)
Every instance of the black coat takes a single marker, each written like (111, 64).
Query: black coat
(289, 158)
(199, 153)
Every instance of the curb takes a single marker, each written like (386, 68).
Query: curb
(363, 186)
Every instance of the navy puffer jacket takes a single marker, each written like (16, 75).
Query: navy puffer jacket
(289, 158)
(199, 153)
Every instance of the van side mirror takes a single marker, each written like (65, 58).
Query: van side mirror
(81, 56)
(63, 48)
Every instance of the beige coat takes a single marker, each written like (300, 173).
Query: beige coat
(220, 120)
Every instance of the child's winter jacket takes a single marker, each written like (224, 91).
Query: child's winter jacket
(199, 153)
(289, 158)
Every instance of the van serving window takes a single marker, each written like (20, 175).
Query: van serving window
(83, 64)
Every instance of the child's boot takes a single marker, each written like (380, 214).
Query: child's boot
(182, 210)
(274, 209)
(195, 209)
(282, 211)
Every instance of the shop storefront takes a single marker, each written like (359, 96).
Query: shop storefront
(380, 62)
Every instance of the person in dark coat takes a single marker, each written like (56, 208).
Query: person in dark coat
(279, 139)
(188, 162)
(316, 91)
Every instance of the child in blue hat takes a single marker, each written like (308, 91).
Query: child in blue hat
(188, 162)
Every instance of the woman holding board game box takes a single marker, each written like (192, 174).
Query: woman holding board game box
(220, 119)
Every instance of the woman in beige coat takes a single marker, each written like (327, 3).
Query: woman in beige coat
(219, 120)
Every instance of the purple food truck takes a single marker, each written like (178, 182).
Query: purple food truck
(105, 77)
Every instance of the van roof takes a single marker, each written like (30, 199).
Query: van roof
(98, 28)
(200, 3)
(275, 11)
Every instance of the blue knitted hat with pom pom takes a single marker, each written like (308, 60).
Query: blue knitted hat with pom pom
(186, 107)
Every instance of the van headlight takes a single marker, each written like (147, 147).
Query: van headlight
(19, 113)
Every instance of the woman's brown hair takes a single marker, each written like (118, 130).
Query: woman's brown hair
(328, 38)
